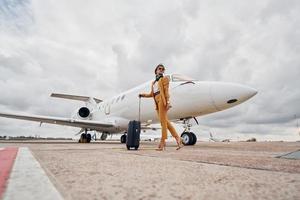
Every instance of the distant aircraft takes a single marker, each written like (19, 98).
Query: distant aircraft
(211, 138)
(251, 140)
(149, 137)
(190, 98)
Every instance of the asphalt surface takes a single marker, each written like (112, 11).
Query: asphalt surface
(207, 170)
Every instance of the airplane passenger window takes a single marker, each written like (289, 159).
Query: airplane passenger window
(123, 97)
(118, 99)
(179, 77)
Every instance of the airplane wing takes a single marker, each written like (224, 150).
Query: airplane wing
(60, 121)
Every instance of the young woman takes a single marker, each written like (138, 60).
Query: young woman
(160, 93)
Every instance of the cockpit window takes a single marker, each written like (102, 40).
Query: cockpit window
(179, 77)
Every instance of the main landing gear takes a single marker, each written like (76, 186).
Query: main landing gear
(85, 137)
(123, 138)
(188, 137)
(103, 136)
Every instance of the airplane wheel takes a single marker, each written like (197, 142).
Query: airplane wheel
(123, 139)
(135, 148)
(194, 138)
(187, 138)
(83, 138)
(88, 138)
(103, 136)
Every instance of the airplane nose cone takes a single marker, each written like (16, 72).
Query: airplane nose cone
(226, 95)
(249, 92)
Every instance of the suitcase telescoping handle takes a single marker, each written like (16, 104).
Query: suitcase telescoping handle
(140, 108)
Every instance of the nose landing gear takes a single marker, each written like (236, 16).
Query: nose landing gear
(188, 137)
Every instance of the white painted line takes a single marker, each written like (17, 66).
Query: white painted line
(28, 180)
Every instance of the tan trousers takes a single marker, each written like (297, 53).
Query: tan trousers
(164, 121)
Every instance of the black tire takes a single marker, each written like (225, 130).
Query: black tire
(83, 138)
(187, 138)
(194, 138)
(136, 148)
(128, 147)
(123, 139)
(103, 136)
(88, 138)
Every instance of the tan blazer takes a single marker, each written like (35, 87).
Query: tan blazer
(163, 86)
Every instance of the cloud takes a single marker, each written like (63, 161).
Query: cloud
(101, 48)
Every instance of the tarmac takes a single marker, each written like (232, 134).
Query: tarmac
(107, 170)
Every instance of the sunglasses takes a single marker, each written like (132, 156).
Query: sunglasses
(160, 68)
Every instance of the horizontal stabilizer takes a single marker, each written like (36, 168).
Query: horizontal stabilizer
(74, 97)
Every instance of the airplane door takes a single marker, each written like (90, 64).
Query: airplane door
(107, 109)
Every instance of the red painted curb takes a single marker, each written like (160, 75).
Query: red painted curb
(7, 158)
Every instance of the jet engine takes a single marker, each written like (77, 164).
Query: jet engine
(84, 112)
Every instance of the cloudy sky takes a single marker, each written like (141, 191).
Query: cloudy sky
(100, 48)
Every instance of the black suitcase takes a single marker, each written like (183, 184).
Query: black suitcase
(133, 135)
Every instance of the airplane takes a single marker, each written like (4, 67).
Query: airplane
(212, 138)
(190, 98)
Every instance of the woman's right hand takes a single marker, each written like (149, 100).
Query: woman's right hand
(169, 106)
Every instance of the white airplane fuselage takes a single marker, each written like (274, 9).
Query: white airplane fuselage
(188, 99)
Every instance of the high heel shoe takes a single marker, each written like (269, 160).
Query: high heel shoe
(179, 143)
(161, 146)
